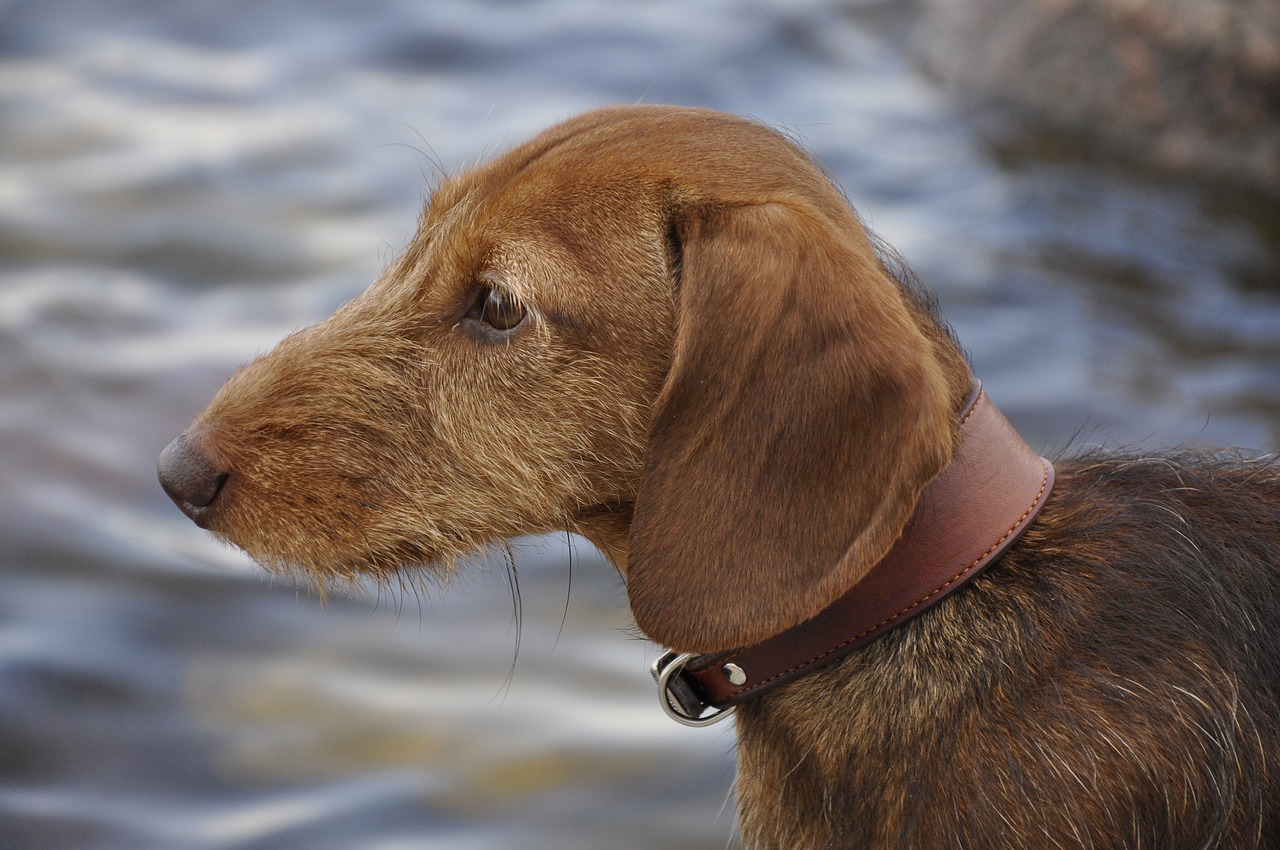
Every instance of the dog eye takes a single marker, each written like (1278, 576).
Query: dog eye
(501, 310)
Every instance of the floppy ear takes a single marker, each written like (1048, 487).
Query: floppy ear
(803, 413)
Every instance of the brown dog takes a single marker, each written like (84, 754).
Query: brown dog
(664, 329)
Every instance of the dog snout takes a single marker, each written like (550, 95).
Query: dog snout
(191, 479)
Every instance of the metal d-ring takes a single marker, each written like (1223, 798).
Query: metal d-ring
(664, 670)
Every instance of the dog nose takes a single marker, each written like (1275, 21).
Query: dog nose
(190, 478)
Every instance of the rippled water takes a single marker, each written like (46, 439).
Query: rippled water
(183, 183)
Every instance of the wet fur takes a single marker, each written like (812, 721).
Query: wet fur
(724, 387)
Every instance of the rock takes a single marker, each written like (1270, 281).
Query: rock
(1189, 86)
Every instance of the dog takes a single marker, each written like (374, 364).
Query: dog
(664, 329)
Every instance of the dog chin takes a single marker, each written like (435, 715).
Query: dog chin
(337, 570)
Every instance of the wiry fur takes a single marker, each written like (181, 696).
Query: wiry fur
(721, 385)
(1110, 684)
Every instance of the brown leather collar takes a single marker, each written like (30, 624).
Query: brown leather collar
(966, 517)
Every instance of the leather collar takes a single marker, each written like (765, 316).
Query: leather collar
(966, 518)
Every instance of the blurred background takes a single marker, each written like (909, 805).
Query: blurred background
(1091, 187)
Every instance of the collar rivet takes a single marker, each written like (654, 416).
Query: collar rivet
(735, 674)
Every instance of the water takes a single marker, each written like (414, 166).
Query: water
(183, 183)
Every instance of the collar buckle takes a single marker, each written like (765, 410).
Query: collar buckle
(677, 697)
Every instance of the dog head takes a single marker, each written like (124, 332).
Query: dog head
(661, 327)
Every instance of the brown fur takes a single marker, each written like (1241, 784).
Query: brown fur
(720, 384)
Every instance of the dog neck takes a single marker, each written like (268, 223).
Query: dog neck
(966, 518)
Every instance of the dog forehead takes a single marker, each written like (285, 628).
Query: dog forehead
(569, 188)
(591, 200)
(620, 167)
(622, 157)
(545, 219)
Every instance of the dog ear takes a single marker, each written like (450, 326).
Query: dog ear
(803, 413)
